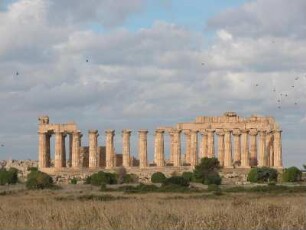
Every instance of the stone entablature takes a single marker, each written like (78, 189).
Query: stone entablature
(241, 142)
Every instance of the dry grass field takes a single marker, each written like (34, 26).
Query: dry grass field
(85, 207)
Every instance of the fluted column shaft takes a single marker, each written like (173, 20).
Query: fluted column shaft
(188, 142)
(253, 147)
(42, 149)
(262, 159)
(48, 149)
(110, 150)
(220, 134)
(269, 148)
(58, 156)
(159, 152)
(171, 147)
(237, 145)
(203, 147)
(93, 149)
(245, 160)
(64, 150)
(142, 148)
(278, 161)
(70, 150)
(126, 148)
(193, 147)
(210, 143)
(176, 140)
(227, 149)
(76, 148)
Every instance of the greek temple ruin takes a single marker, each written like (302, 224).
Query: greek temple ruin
(236, 142)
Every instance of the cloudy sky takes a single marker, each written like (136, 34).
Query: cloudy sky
(150, 63)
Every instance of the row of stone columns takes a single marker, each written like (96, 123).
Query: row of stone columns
(244, 148)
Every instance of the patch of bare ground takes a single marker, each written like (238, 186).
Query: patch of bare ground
(86, 207)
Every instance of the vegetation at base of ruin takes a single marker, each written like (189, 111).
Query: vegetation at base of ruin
(176, 180)
(188, 176)
(158, 177)
(101, 177)
(292, 174)
(207, 171)
(8, 176)
(73, 181)
(39, 180)
(262, 175)
(85, 207)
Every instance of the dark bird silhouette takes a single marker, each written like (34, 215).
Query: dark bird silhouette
(278, 100)
(17, 73)
(297, 78)
(202, 63)
(279, 107)
(295, 103)
(87, 60)
(257, 85)
(292, 86)
(2, 145)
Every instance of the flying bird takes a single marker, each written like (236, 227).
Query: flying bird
(87, 60)
(2, 145)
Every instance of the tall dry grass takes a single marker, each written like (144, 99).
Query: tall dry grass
(62, 210)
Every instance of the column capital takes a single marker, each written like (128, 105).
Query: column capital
(143, 131)
(126, 131)
(236, 132)
(210, 130)
(159, 130)
(95, 131)
(277, 131)
(175, 131)
(220, 132)
(110, 131)
(227, 130)
(186, 132)
(244, 131)
(253, 132)
(262, 132)
(203, 132)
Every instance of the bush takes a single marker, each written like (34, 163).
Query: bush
(188, 176)
(39, 180)
(176, 180)
(73, 181)
(207, 171)
(158, 177)
(101, 177)
(130, 178)
(292, 174)
(8, 176)
(261, 175)
(213, 178)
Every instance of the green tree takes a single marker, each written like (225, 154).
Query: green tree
(263, 174)
(207, 172)
(39, 180)
(292, 174)
(158, 177)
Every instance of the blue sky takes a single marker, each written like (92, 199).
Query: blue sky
(145, 66)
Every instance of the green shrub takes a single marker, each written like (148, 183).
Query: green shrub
(74, 181)
(39, 180)
(101, 177)
(213, 178)
(8, 176)
(130, 178)
(188, 176)
(207, 171)
(177, 180)
(292, 174)
(158, 177)
(261, 175)
(32, 169)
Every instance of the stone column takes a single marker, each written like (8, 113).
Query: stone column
(194, 147)
(126, 148)
(110, 150)
(269, 148)
(93, 148)
(227, 149)
(142, 148)
(278, 161)
(70, 150)
(64, 150)
(42, 150)
(262, 159)
(176, 140)
(210, 143)
(171, 147)
(220, 134)
(76, 148)
(58, 155)
(245, 159)
(188, 142)
(237, 146)
(159, 154)
(253, 147)
(48, 149)
(203, 147)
